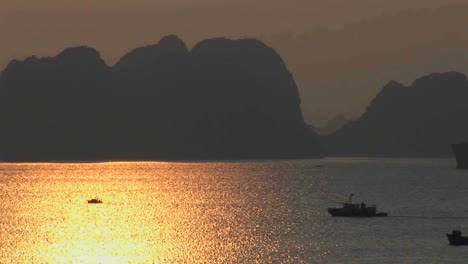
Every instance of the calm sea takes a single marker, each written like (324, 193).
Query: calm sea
(231, 212)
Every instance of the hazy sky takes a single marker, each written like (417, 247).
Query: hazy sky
(45, 27)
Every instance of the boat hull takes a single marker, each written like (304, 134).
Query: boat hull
(94, 201)
(457, 240)
(340, 212)
(461, 155)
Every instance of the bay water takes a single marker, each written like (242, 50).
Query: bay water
(232, 212)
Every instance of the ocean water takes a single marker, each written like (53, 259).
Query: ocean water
(231, 212)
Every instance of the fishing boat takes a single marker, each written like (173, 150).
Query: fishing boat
(356, 210)
(456, 238)
(95, 201)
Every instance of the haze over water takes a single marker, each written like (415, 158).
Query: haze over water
(231, 212)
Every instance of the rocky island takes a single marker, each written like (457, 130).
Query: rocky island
(420, 120)
(223, 99)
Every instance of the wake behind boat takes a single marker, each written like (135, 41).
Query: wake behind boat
(356, 210)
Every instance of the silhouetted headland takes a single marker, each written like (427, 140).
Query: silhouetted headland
(223, 99)
(460, 151)
(421, 120)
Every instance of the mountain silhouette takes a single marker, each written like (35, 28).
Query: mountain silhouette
(421, 120)
(348, 65)
(332, 125)
(223, 99)
(54, 106)
(255, 99)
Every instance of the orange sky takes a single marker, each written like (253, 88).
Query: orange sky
(44, 28)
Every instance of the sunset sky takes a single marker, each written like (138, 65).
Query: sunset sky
(328, 45)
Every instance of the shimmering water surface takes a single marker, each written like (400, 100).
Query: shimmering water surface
(231, 212)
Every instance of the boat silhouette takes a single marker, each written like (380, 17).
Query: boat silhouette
(456, 238)
(95, 201)
(356, 210)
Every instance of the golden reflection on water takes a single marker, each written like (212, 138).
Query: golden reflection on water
(56, 223)
(152, 212)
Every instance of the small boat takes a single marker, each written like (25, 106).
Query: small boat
(456, 238)
(95, 201)
(356, 210)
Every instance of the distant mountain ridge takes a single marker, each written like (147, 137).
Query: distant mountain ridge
(223, 99)
(421, 120)
(349, 64)
(332, 125)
